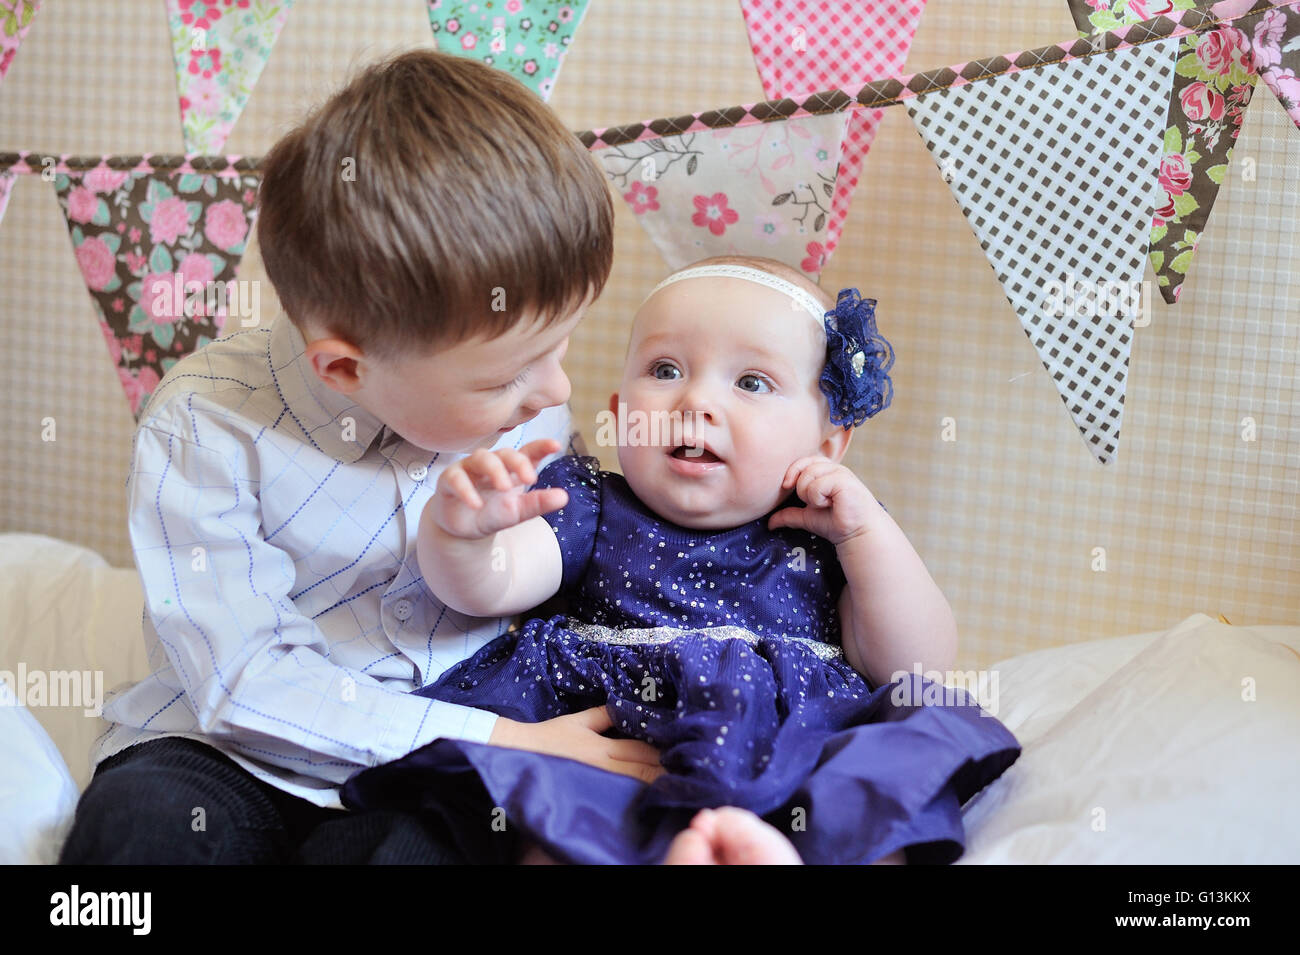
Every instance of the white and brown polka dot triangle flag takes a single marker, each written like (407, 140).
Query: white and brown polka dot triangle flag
(1055, 169)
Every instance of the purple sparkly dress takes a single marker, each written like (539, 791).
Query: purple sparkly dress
(721, 649)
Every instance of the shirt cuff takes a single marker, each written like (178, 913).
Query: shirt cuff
(416, 721)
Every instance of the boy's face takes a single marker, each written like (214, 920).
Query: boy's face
(464, 396)
(739, 368)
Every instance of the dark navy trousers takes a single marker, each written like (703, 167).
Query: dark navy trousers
(175, 801)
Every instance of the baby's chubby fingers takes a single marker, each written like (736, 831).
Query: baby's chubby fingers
(536, 450)
(816, 481)
(487, 467)
(542, 501)
(455, 482)
(801, 465)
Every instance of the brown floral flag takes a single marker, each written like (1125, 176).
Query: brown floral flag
(159, 253)
(1213, 82)
(1100, 16)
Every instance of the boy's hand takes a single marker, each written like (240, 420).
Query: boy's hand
(838, 507)
(577, 736)
(485, 492)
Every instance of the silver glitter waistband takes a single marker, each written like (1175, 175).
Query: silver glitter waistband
(649, 635)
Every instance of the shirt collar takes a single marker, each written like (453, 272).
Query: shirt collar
(317, 408)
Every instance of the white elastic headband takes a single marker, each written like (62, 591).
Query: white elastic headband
(803, 298)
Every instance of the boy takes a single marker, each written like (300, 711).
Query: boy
(434, 234)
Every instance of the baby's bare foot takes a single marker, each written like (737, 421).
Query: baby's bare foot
(730, 836)
(534, 854)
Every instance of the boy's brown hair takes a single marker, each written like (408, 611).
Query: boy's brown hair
(466, 194)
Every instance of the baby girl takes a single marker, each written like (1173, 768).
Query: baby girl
(737, 600)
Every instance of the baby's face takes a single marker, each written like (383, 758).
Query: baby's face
(730, 366)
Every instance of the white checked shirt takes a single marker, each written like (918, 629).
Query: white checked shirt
(274, 523)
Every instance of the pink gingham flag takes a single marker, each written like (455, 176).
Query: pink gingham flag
(805, 47)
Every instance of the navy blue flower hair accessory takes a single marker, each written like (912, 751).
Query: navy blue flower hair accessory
(856, 379)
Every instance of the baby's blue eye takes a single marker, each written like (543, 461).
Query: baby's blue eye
(661, 366)
(752, 383)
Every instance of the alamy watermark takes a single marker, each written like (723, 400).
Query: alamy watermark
(1077, 299)
(174, 298)
(84, 688)
(639, 428)
(951, 688)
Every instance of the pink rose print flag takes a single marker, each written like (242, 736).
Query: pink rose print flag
(220, 48)
(1052, 167)
(806, 47)
(763, 189)
(526, 38)
(1275, 42)
(159, 254)
(15, 20)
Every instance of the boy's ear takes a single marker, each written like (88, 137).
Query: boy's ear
(836, 443)
(335, 363)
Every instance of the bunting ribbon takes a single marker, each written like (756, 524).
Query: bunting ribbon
(149, 232)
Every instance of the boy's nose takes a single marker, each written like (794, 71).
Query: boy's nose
(554, 389)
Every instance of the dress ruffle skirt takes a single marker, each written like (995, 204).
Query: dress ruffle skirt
(784, 727)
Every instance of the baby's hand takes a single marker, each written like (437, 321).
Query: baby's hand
(486, 492)
(839, 506)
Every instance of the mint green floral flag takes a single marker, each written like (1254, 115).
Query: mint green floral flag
(527, 38)
(220, 49)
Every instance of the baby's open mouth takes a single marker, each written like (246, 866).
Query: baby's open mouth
(691, 453)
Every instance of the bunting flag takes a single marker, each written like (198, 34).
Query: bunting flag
(753, 190)
(1275, 43)
(527, 38)
(220, 49)
(1099, 16)
(159, 253)
(1053, 168)
(836, 44)
(15, 20)
(1213, 83)
(6, 187)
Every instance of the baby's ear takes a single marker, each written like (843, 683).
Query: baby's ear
(836, 442)
(613, 405)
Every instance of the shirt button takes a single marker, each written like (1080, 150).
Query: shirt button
(418, 472)
(402, 610)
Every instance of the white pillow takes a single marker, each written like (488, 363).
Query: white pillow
(38, 796)
(1165, 761)
(66, 609)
